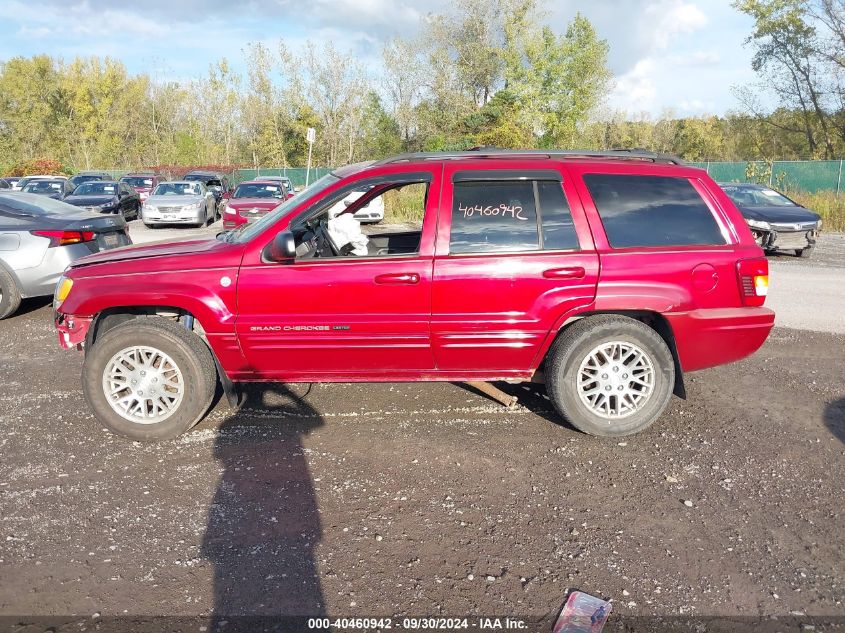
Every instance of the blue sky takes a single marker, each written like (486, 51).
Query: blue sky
(678, 55)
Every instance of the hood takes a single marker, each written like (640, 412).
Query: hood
(265, 204)
(155, 249)
(779, 214)
(89, 201)
(173, 201)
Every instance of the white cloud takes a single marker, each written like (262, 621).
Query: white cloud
(635, 90)
(670, 20)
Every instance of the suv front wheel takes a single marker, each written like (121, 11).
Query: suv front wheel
(149, 379)
(610, 375)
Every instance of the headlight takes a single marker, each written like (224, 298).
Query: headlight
(62, 290)
(758, 224)
(193, 207)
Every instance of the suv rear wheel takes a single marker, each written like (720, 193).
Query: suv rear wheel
(610, 375)
(149, 379)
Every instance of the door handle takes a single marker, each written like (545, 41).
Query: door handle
(576, 272)
(398, 278)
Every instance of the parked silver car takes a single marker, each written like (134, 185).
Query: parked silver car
(180, 202)
(40, 236)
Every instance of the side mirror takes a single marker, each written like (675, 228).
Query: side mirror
(282, 249)
(227, 195)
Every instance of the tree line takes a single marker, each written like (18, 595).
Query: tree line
(487, 72)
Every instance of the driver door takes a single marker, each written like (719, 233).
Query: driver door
(344, 317)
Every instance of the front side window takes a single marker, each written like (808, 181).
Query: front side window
(346, 224)
(642, 211)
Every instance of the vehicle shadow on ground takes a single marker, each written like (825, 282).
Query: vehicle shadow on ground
(31, 305)
(263, 523)
(834, 419)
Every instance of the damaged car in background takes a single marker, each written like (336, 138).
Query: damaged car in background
(40, 237)
(778, 223)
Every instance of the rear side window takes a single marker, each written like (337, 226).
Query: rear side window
(652, 211)
(503, 216)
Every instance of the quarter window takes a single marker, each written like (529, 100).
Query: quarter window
(503, 216)
(652, 211)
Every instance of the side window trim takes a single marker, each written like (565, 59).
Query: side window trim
(535, 177)
(539, 213)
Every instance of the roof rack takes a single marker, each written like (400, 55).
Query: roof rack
(495, 152)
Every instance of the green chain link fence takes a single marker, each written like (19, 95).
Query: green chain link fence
(296, 174)
(811, 176)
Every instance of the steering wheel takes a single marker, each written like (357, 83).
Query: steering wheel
(323, 237)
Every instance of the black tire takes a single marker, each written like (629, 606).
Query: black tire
(804, 252)
(573, 347)
(10, 294)
(187, 351)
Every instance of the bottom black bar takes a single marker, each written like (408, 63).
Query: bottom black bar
(289, 624)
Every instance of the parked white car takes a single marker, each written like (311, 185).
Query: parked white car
(180, 202)
(373, 211)
(23, 182)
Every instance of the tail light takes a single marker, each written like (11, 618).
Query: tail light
(753, 280)
(66, 238)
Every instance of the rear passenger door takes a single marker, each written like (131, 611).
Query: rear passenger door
(514, 253)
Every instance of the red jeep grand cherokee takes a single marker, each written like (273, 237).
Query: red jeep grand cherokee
(606, 275)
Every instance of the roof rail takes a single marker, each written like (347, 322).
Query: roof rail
(494, 152)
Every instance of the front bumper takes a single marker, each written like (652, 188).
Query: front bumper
(369, 216)
(785, 240)
(72, 330)
(179, 217)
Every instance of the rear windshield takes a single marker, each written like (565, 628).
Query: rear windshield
(22, 204)
(263, 190)
(138, 181)
(178, 189)
(85, 178)
(44, 186)
(96, 188)
(652, 211)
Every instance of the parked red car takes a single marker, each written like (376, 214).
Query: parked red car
(143, 182)
(607, 276)
(251, 200)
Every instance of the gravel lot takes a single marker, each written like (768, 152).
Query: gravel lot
(429, 499)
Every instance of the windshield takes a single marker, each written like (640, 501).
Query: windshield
(96, 189)
(254, 190)
(138, 182)
(200, 177)
(22, 204)
(178, 189)
(748, 197)
(248, 231)
(44, 186)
